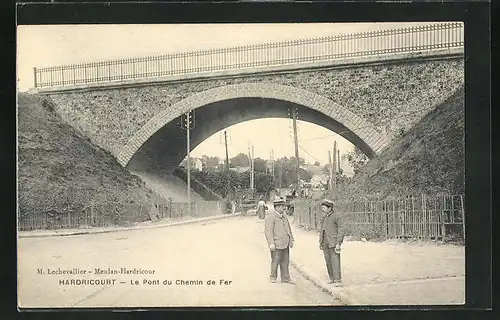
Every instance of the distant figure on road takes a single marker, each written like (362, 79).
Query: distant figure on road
(280, 239)
(330, 241)
(261, 208)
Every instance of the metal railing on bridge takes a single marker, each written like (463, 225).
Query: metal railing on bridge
(358, 45)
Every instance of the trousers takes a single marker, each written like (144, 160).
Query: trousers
(332, 260)
(281, 258)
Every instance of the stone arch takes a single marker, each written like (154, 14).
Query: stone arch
(357, 125)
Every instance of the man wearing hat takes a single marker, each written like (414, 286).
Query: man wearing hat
(280, 239)
(330, 240)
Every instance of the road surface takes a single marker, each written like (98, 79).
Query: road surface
(216, 263)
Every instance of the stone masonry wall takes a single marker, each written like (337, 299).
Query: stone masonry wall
(390, 97)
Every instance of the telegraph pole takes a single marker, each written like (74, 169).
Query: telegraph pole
(295, 138)
(338, 160)
(187, 123)
(280, 176)
(227, 166)
(330, 171)
(188, 148)
(334, 167)
(253, 167)
(272, 164)
(250, 162)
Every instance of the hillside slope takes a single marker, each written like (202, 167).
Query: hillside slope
(168, 186)
(429, 158)
(61, 171)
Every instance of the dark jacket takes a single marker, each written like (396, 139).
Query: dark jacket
(331, 230)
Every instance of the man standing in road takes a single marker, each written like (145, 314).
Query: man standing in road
(280, 239)
(330, 241)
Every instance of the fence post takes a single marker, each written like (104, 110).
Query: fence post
(302, 218)
(392, 232)
(309, 222)
(365, 220)
(443, 217)
(170, 207)
(296, 214)
(463, 216)
(316, 220)
(402, 211)
(416, 231)
(34, 80)
(424, 217)
(386, 214)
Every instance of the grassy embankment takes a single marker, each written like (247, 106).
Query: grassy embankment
(61, 171)
(429, 158)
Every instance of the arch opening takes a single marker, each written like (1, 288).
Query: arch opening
(166, 148)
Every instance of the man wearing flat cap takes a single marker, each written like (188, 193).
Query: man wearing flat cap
(280, 239)
(330, 240)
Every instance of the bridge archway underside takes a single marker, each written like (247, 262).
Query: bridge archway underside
(224, 106)
(166, 148)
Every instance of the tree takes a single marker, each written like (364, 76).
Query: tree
(317, 163)
(326, 168)
(287, 168)
(356, 159)
(301, 161)
(260, 165)
(263, 183)
(305, 175)
(242, 180)
(210, 163)
(217, 181)
(241, 160)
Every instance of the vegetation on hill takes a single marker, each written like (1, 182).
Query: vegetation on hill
(197, 186)
(429, 158)
(60, 171)
(217, 181)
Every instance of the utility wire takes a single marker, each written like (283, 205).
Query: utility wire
(309, 154)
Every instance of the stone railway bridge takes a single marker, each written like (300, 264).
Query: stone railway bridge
(368, 99)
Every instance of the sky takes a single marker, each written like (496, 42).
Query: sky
(44, 45)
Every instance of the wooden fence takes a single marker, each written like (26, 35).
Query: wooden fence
(423, 217)
(95, 215)
(99, 216)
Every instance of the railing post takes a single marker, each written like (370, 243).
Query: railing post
(35, 76)
(424, 217)
(463, 215)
